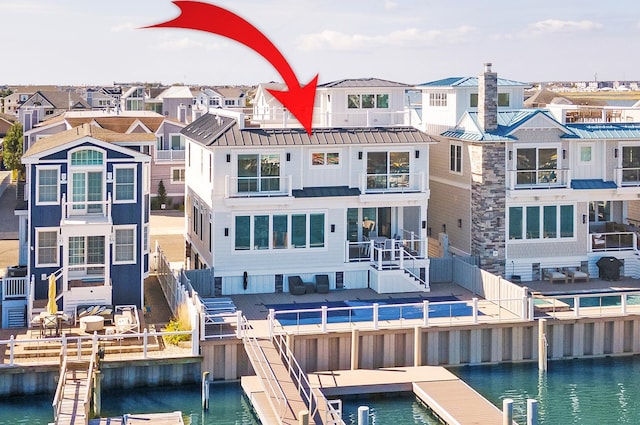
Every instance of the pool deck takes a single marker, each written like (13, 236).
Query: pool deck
(594, 284)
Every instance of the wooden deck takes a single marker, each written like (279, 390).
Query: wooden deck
(172, 418)
(443, 392)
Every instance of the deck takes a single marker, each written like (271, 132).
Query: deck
(72, 409)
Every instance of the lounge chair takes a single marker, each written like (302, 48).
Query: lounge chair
(296, 285)
(322, 283)
(556, 274)
(576, 273)
(126, 319)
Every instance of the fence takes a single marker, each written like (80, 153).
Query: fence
(201, 281)
(602, 304)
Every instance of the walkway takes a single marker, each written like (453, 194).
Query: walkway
(75, 396)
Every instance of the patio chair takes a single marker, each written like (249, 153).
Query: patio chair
(296, 285)
(555, 274)
(576, 273)
(322, 283)
(126, 320)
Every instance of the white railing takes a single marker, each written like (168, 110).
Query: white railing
(248, 187)
(314, 400)
(627, 177)
(368, 251)
(86, 208)
(15, 287)
(395, 316)
(271, 385)
(351, 118)
(539, 179)
(393, 183)
(613, 241)
(115, 346)
(602, 304)
(169, 155)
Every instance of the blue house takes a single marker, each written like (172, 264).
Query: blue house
(87, 217)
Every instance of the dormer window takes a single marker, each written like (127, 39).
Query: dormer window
(438, 99)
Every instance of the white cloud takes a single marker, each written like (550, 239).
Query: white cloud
(127, 26)
(389, 4)
(558, 26)
(411, 37)
(28, 7)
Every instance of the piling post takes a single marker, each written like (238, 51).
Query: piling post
(417, 346)
(425, 312)
(303, 417)
(532, 412)
(324, 319)
(542, 345)
(507, 411)
(97, 393)
(205, 390)
(11, 349)
(363, 415)
(475, 310)
(355, 348)
(375, 316)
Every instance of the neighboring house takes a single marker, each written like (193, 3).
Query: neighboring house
(87, 217)
(52, 103)
(265, 204)
(525, 193)
(167, 152)
(358, 102)
(177, 102)
(103, 97)
(221, 97)
(19, 95)
(133, 99)
(6, 121)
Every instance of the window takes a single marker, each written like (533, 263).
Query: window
(455, 161)
(537, 166)
(585, 154)
(599, 211)
(177, 175)
(387, 170)
(86, 157)
(437, 99)
(473, 100)
(46, 247)
(125, 184)
(124, 246)
(87, 251)
(160, 143)
(214, 102)
(47, 189)
(631, 164)
(325, 158)
(259, 173)
(229, 102)
(177, 142)
(367, 101)
(145, 238)
(503, 99)
(280, 231)
(535, 222)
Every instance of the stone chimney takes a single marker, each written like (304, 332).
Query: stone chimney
(488, 99)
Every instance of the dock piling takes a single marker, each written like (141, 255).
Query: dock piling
(532, 412)
(507, 411)
(205, 390)
(363, 415)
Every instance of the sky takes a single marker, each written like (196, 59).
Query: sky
(99, 42)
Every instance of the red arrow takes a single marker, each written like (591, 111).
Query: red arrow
(210, 18)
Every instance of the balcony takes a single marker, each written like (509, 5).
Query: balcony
(257, 187)
(173, 155)
(280, 117)
(85, 212)
(593, 114)
(613, 241)
(539, 179)
(393, 183)
(627, 177)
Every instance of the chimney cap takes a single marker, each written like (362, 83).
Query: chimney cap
(487, 67)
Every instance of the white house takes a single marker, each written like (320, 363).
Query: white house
(266, 204)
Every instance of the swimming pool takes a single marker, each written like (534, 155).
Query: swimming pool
(596, 298)
(363, 310)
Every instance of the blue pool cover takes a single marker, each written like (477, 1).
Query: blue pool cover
(386, 311)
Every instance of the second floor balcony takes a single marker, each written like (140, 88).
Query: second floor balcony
(169, 155)
(539, 179)
(86, 211)
(627, 177)
(248, 187)
(393, 183)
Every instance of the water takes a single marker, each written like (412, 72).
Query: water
(581, 392)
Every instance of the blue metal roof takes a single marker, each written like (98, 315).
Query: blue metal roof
(469, 82)
(606, 130)
(507, 122)
(590, 184)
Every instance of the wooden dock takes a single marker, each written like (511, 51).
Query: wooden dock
(171, 418)
(445, 394)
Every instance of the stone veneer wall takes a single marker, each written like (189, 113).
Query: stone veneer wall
(488, 205)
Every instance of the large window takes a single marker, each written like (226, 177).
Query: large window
(537, 166)
(631, 164)
(87, 181)
(87, 157)
(503, 99)
(387, 170)
(125, 184)
(258, 173)
(177, 142)
(47, 189)
(280, 231)
(124, 247)
(437, 99)
(46, 247)
(367, 101)
(541, 222)
(85, 252)
(455, 158)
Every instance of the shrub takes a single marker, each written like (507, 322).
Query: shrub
(180, 323)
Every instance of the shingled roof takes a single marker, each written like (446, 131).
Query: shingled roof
(213, 130)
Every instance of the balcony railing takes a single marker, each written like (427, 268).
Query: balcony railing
(539, 179)
(614, 241)
(248, 187)
(393, 183)
(14, 287)
(350, 118)
(169, 155)
(75, 209)
(627, 177)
